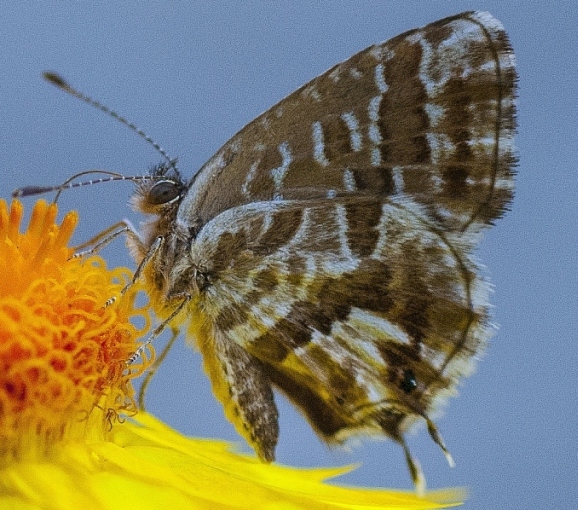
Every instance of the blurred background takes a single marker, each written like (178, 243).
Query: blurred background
(191, 74)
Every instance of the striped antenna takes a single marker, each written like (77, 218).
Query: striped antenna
(27, 191)
(62, 84)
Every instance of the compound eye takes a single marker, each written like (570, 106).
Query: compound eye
(163, 192)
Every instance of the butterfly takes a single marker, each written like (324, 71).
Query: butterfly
(326, 249)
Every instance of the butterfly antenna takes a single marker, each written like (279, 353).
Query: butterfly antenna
(62, 84)
(68, 184)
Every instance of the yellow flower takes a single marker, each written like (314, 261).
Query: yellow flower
(64, 383)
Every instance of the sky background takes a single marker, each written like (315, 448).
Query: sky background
(192, 74)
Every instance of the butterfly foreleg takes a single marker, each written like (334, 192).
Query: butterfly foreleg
(106, 236)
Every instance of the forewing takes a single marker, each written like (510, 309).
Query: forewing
(429, 115)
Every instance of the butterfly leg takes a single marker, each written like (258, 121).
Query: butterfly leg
(154, 367)
(95, 244)
(160, 328)
(150, 253)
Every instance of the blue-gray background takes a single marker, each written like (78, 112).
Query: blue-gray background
(192, 74)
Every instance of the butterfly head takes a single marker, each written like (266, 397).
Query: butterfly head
(161, 192)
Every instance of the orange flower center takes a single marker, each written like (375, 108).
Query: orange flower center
(62, 353)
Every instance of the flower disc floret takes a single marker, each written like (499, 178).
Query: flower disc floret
(62, 352)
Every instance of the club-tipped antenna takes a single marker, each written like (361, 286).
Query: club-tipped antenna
(62, 84)
(68, 184)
